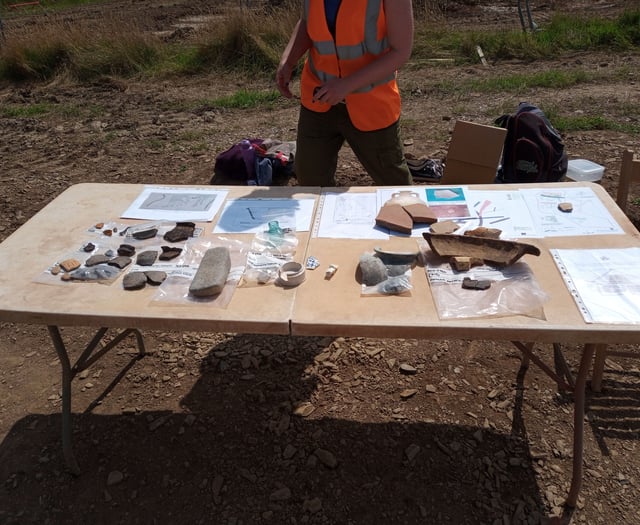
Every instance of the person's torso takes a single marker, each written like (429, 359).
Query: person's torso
(359, 38)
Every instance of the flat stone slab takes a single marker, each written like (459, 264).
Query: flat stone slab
(212, 273)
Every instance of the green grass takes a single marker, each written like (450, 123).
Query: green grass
(36, 61)
(196, 142)
(155, 144)
(25, 111)
(244, 99)
(516, 83)
(563, 34)
(122, 58)
(39, 109)
(566, 123)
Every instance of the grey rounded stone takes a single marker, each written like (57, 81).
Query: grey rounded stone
(373, 269)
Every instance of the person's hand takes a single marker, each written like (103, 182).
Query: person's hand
(332, 92)
(283, 77)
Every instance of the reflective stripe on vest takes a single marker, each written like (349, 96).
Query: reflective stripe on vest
(324, 77)
(371, 44)
(327, 60)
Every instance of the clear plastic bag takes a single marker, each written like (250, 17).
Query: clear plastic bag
(269, 250)
(395, 285)
(103, 245)
(386, 273)
(180, 273)
(514, 290)
(262, 268)
(276, 241)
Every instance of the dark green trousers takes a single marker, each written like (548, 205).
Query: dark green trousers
(320, 137)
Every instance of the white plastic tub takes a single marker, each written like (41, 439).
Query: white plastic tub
(581, 170)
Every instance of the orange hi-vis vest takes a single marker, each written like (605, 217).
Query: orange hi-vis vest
(361, 30)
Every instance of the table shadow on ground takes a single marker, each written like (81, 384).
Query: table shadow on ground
(237, 454)
(614, 412)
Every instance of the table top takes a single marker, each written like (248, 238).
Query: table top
(61, 225)
(319, 306)
(334, 307)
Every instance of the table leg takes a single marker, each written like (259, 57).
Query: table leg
(67, 376)
(527, 352)
(561, 363)
(86, 359)
(578, 423)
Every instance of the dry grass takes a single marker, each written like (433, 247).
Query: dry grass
(53, 46)
(250, 39)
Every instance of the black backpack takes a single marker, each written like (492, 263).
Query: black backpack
(533, 149)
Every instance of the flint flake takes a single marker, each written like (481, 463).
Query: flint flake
(96, 259)
(147, 233)
(120, 262)
(475, 284)
(127, 250)
(147, 258)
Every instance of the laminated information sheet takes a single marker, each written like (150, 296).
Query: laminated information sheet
(604, 283)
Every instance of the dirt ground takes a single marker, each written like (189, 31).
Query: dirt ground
(204, 429)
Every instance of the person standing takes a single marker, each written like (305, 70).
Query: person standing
(348, 88)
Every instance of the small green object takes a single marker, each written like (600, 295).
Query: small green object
(274, 228)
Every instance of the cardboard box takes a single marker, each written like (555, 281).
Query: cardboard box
(474, 154)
